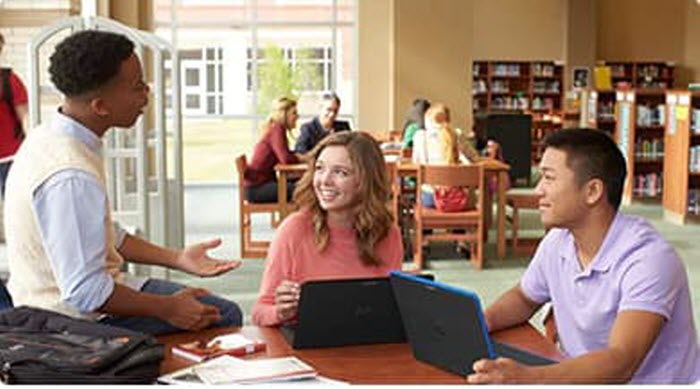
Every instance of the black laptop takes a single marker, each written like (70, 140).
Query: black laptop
(341, 125)
(445, 326)
(346, 312)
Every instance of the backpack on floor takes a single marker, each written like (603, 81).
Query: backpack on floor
(43, 347)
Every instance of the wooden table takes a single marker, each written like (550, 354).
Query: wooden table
(284, 172)
(369, 364)
(491, 167)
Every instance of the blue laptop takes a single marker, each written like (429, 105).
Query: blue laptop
(445, 326)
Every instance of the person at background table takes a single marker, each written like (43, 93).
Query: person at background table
(260, 182)
(618, 289)
(322, 125)
(415, 120)
(436, 145)
(344, 228)
(13, 115)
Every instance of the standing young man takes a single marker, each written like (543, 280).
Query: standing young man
(619, 291)
(322, 125)
(64, 253)
(13, 111)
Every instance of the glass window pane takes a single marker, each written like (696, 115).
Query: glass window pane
(210, 143)
(295, 10)
(191, 77)
(192, 101)
(298, 73)
(211, 104)
(211, 78)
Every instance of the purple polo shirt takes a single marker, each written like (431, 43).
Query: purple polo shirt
(635, 269)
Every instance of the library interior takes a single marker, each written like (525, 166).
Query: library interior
(333, 190)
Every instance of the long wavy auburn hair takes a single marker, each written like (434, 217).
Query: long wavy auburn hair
(373, 219)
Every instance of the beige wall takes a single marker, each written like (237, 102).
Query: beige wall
(432, 56)
(690, 71)
(638, 30)
(579, 48)
(375, 82)
(519, 29)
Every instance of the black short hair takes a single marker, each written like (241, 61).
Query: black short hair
(87, 60)
(592, 153)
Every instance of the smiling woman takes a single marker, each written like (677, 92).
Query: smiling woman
(343, 230)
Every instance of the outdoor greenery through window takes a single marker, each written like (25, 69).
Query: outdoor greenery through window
(237, 56)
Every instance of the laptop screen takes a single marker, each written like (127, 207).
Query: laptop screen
(444, 325)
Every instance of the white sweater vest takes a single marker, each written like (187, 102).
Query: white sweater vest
(32, 280)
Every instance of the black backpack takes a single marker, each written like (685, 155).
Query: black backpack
(43, 347)
(9, 99)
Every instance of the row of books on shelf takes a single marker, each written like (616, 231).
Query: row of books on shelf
(694, 163)
(648, 116)
(694, 201)
(649, 148)
(542, 103)
(647, 185)
(545, 87)
(510, 102)
(509, 70)
(542, 70)
(695, 121)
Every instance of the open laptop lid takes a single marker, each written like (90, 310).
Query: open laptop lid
(346, 312)
(444, 325)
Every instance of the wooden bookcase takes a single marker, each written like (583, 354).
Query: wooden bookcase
(640, 121)
(598, 106)
(528, 86)
(598, 110)
(681, 197)
(542, 125)
(640, 75)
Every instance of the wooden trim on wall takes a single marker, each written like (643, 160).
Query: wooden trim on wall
(13, 18)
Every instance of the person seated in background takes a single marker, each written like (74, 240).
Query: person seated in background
(415, 120)
(618, 289)
(260, 179)
(322, 125)
(63, 252)
(436, 145)
(344, 228)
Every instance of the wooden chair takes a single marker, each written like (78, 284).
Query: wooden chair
(470, 177)
(249, 247)
(518, 201)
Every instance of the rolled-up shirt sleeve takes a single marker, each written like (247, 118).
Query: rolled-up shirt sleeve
(71, 210)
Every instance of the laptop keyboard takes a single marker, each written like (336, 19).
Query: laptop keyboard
(522, 356)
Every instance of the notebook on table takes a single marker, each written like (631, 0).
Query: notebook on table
(445, 326)
(345, 312)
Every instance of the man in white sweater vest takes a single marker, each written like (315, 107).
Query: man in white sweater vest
(63, 250)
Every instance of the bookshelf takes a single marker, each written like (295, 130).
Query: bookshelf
(542, 125)
(640, 75)
(598, 110)
(535, 86)
(640, 121)
(681, 197)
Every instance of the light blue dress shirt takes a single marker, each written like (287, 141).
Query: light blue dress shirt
(71, 207)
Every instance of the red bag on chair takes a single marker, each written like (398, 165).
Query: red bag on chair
(451, 199)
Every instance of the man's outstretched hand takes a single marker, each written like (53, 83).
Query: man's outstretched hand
(194, 260)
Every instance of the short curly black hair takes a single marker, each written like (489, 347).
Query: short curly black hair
(87, 60)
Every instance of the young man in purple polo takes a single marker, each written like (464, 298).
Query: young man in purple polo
(619, 290)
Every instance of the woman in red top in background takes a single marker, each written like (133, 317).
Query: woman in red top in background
(260, 180)
(343, 229)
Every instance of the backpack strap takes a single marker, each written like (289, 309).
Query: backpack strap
(9, 99)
